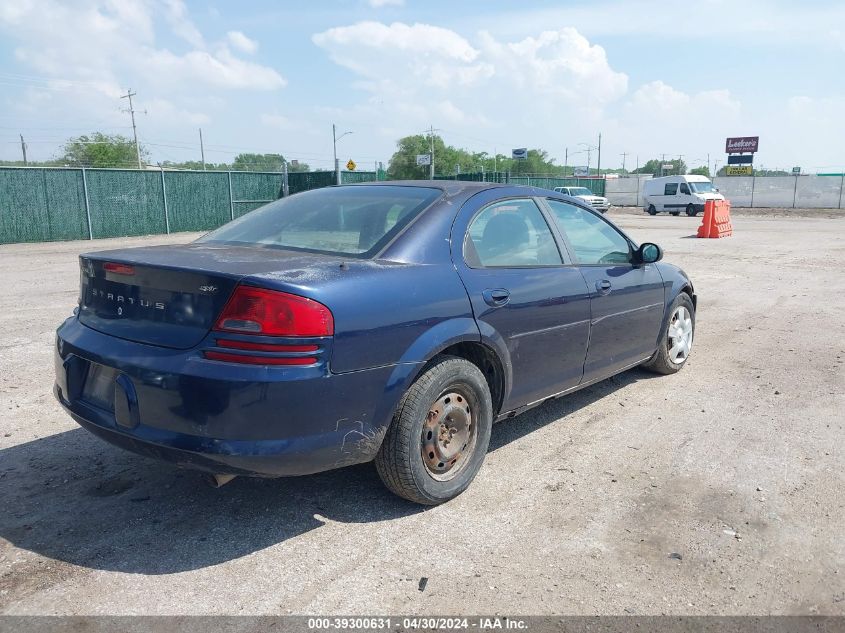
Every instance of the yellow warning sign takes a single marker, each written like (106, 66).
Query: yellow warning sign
(351, 165)
(740, 170)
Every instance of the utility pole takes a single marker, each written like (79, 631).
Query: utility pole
(202, 151)
(129, 94)
(624, 156)
(565, 160)
(598, 167)
(23, 150)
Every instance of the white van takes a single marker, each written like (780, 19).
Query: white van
(678, 193)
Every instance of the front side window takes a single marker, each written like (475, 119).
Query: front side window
(684, 189)
(671, 189)
(593, 240)
(357, 221)
(512, 233)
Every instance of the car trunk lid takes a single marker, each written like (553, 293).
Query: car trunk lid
(170, 296)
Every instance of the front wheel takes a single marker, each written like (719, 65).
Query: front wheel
(676, 338)
(439, 434)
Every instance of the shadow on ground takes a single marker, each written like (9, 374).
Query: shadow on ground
(73, 498)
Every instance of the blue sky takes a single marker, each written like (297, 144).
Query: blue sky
(654, 78)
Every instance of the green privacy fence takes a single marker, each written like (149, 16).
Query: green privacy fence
(595, 185)
(47, 204)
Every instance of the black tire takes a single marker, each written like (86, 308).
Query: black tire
(691, 211)
(661, 362)
(400, 462)
(652, 210)
(675, 213)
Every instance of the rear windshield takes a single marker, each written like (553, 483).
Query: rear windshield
(358, 220)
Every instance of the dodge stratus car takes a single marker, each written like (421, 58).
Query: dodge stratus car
(393, 322)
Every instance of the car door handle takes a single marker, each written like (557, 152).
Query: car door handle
(603, 286)
(496, 297)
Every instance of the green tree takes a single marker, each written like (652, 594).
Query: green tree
(265, 162)
(101, 150)
(700, 171)
(449, 160)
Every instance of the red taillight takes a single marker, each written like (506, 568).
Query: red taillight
(273, 313)
(118, 269)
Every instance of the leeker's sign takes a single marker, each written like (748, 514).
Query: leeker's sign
(742, 144)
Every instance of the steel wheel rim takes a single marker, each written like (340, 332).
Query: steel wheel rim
(680, 335)
(448, 435)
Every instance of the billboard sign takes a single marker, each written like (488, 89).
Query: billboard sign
(581, 171)
(740, 144)
(796, 171)
(740, 159)
(423, 159)
(740, 170)
(520, 153)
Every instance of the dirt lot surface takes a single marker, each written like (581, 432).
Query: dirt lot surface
(716, 490)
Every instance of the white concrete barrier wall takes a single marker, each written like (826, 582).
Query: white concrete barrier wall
(786, 192)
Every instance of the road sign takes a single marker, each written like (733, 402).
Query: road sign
(351, 165)
(739, 170)
(740, 159)
(580, 171)
(740, 144)
(423, 159)
(520, 153)
(796, 171)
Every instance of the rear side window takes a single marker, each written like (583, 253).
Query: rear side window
(593, 240)
(671, 189)
(356, 221)
(512, 233)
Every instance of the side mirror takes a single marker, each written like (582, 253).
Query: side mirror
(648, 253)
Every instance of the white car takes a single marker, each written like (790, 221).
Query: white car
(599, 203)
(678, 193)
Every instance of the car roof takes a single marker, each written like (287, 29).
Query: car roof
(451, 187)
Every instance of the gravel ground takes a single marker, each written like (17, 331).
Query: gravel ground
(719, 490)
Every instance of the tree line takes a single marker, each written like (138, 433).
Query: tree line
(98, 150)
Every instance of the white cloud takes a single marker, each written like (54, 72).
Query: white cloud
(76, 60)
(377, 4)
(241, 42)
(418, 74)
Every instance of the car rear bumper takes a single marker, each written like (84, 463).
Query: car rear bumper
(175, 406)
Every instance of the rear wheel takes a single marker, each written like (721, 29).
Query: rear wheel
(676, 339)
(652, 210)
(675, 213)
(439, 434)
(691, 210)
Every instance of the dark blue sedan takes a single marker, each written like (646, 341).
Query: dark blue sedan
(392, 322)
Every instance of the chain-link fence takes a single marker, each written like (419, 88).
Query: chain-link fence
(47, 204)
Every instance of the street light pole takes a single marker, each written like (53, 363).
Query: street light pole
(336, 164)
(335, 139)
